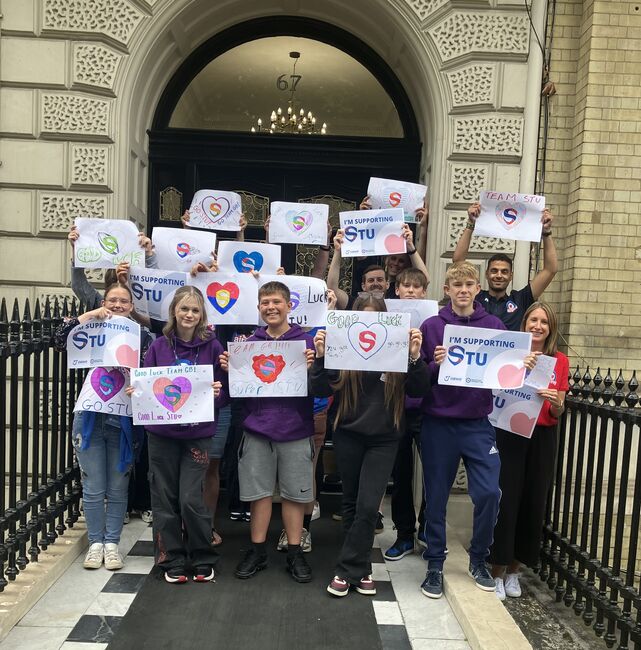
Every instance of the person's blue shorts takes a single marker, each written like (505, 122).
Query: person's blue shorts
(218, 442)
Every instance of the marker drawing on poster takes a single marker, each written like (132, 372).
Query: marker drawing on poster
(244, 257)
(105, 243)
(173, 395)
(298, 223)
(372, 232)
(179, 249)
(510, 216)
(419, 310)
(387, 193)
(230, 298)
(308, 297)
(103, 391)
(153, 290)
(215, 210)
(267, 369)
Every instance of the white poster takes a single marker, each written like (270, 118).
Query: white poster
(267, 369)
(419, 310)
(215, 210)
(478, 357)
(114, 341)
(154, 290)
(360, 340)
(298, 223)
(510, 216)
(173, 395)
(105, 243)
(308, 297)
(372, 232)
(104, 392)
(179, 249)
(230, 298)
(386, 193)
(243, 257)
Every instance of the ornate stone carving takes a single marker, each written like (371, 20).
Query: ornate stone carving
(255, 207)
(95, 65)
(473, 84)
(75, 114)
(496, 135)
(89, 165)
(58, 211)
(466, 181)
(462, 32)
(95, 276)
(116, 19)
(488, 245)
(423, 8)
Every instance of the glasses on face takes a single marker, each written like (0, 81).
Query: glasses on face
(117, 301)
(373, 294)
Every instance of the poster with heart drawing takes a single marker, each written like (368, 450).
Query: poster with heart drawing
(243, 257)
(215, 210)
(298, 223)
(510, 216)
(103, 391)
(267, 369)
(105, 243)
(173, 395)
(478, 357)
(387, 193)
(179, 249)
(308, 297)
(372, 232)
(230, 298)
(358, 340)
(114, 341)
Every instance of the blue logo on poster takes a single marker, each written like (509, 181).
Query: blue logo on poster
(246, 262)
(80, 340)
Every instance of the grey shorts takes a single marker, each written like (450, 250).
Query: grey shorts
(261, 461)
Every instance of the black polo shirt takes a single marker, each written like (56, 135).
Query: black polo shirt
(510, 308)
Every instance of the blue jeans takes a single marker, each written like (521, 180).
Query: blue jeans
(101, 479)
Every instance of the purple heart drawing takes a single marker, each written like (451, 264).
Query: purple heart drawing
(107, 384)
(214, 208)
(299, 222)
(172, 393)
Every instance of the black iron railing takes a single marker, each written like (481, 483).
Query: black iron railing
(590, 554)
(41, 489)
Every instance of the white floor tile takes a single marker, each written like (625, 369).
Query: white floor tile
(380, 572)
(111, 604)
(138, 564)
(35, 638)
(439, 644)
(387, 613)
(77, 645)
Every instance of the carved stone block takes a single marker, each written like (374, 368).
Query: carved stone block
(473, 84)
(495, 135)
(490, 245)
(58, 211)
(75, 114)
(423, 8)
(89, 165)
(95, 65)
(467, 181)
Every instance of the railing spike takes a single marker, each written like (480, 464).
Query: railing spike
(632, 399)
(619, 396)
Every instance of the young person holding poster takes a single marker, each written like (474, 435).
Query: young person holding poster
(367, 428)
(179, 454)
(527, 465)
(105, 445)
(455, 426)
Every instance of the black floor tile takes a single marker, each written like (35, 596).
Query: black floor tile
(95, 629)
(394, 637)
(124, 583)
(145, 549)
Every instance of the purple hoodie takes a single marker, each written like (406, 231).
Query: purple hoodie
(198, 351)
(281, 419)
(455, 401)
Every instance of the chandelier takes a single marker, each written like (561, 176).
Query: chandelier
(291, 120)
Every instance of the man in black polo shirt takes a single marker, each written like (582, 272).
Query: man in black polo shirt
(509, 307)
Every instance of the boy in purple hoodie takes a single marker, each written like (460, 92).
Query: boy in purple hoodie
(277, 442)
(455, 426)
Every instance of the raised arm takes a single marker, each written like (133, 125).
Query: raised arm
(422, 220)
(416, 259)
(322, 257)
(334, 272)
(543, 278)
(463, 245)
(79, 283)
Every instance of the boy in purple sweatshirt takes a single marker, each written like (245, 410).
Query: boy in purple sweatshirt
(277, 443)
(455, 426)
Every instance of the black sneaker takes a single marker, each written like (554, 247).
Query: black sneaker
(250, 564)
(236, 515)
(176, 576)
(380, 526)
(298, 567)
(203, 574)
(482, 577)
(432, 586)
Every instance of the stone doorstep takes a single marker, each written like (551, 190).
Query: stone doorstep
(485, 621)
(20, 596)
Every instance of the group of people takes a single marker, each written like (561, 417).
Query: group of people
(375, 420)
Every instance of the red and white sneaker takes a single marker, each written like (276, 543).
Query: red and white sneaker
(338, 587)
(176, 576)
(366, 586)
(203, 574)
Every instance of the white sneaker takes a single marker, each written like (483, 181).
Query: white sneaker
(147, 516)
(282, 542)
(512, 585)
(500, 588)
(113, 559)
(94, 557)
(306, 541)
(316, 511)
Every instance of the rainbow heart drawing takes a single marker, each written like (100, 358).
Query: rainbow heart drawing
(222, 296)
(246, 262)
(268, 367)
(299, 222)
(510, 215)
(214, 208)
(107, 383)
(367, 340)
(172, 393)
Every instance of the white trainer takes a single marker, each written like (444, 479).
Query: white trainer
(282, 542)
(512, 585)
(306, 541)
(500, 588)
(113, 559)
(316, 511)
(94, 557)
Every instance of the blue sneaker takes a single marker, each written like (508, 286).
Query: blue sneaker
(399, 549)
(432, 586)
(482, 577)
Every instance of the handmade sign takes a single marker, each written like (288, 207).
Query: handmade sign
(180, 249)
(298, 223)
(215, 210)
(243, 257)
(510, 216)
(419, 310)
(105, 243)
(230, 298)
(154, 290)
(267, 369)
(104, 392)
(372, 232)
(114, 341)
(517, 410)
(478, 357)
(360, 340)
(386, 193)
(308, 297)
(173, 395)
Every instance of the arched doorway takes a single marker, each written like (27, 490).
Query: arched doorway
(201, 137)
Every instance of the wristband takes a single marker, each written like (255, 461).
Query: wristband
(413, 361)
(469, 225)
(324, 248)
(411, 252)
